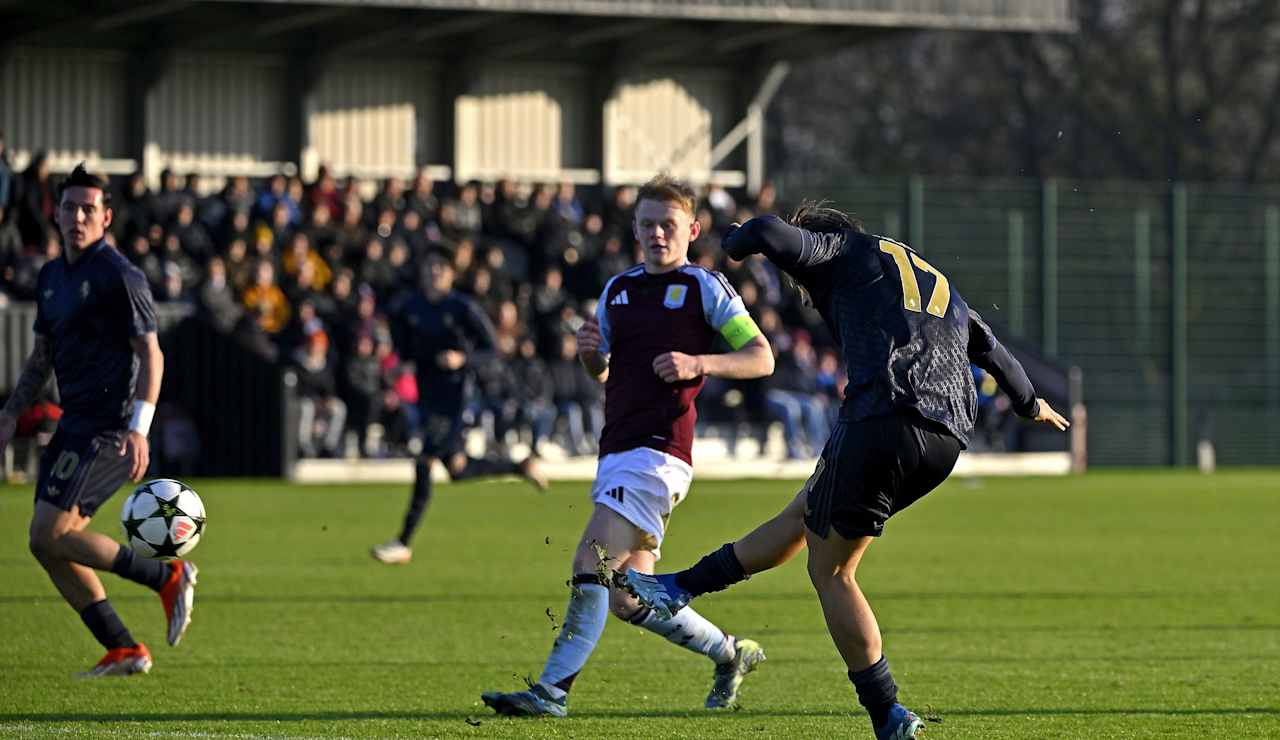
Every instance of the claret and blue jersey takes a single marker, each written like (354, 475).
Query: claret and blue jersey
(643, 315)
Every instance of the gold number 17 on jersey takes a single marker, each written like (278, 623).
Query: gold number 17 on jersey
(904, 258)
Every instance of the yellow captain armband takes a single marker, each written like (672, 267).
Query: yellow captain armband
(739, 330)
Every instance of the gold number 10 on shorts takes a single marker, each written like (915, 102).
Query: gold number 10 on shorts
(941, 297)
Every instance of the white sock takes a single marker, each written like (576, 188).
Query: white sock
(583, 624)
(690, 630)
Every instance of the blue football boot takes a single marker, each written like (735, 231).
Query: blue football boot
(903, 724)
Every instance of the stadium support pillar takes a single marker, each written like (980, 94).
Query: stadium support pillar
(1142, 281)
(1178, 412)
(1049, 266)
(305, 71)
(915, 212)
(751, 128)
(1272, 247)
(143, 71)
(1017, 288)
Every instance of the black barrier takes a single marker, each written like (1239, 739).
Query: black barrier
(222, 410)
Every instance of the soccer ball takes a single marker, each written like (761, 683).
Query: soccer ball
(163, 519)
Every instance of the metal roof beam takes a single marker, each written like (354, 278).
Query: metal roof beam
(298, 21)
(143, 13)
(610, 32)
(756, 36)
(458, 25)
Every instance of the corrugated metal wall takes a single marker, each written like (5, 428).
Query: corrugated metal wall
(219, 113)
(68, 102)
(665, 122)
(376, 118)
(523, 121)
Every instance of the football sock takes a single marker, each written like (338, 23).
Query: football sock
(106, 626)
(689, 630)
(477, 467)
(714, 572)
(418, 503)
(148, 572)
(583, 624)
(877, 692)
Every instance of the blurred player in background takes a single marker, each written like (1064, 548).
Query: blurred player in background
(96, 330)
(649, 343)
(907, 338)
(446, 335)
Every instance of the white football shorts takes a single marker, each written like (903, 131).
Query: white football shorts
(643, 485)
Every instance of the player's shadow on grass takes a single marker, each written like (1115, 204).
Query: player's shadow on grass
(480, 714)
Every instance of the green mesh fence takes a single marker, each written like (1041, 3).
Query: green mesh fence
(1086, 270)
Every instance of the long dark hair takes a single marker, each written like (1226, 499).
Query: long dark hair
(818, 217)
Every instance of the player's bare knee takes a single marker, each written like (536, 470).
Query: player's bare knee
(456, 464)
(44, 546)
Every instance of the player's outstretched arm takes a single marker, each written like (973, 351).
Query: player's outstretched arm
(783, 244)
(150, 372)
(35, 373)
(988, 353)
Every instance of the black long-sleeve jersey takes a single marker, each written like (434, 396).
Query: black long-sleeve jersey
(422, 330)
(89, 311)
(907, 335)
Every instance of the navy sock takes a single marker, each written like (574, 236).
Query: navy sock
(418, 503)
(148, 572)
(877, 692)
(714, 572)
(106, 626)
(478, 467)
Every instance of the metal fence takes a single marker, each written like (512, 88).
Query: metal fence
(1167, 295)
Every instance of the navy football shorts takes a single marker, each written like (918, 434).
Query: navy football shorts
(872, 469)
(82, 470)
(441, 424)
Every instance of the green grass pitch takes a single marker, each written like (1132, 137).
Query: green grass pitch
(1114, 605)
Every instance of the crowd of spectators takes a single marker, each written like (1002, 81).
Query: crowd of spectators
(309, 275)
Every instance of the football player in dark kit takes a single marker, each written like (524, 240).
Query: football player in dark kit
(96, 330)
(908, 339)
(446, 335)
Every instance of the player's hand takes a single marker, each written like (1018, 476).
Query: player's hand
(743, 250)
(589, 336)
(451, 359)
(8, 426)
(1049, 415)
(676, 366)
(138, 449)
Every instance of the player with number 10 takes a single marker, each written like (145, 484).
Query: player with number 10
(96, 330)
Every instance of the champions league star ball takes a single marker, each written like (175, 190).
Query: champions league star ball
(163, 519)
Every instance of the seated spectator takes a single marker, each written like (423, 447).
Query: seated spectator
(577, 398)
(218, 298)
(793, 397)
(191, 233)
(322, 415)
(361, 390)
(265, 301)
(534, 394)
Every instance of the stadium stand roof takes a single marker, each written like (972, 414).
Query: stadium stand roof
(646, 31)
